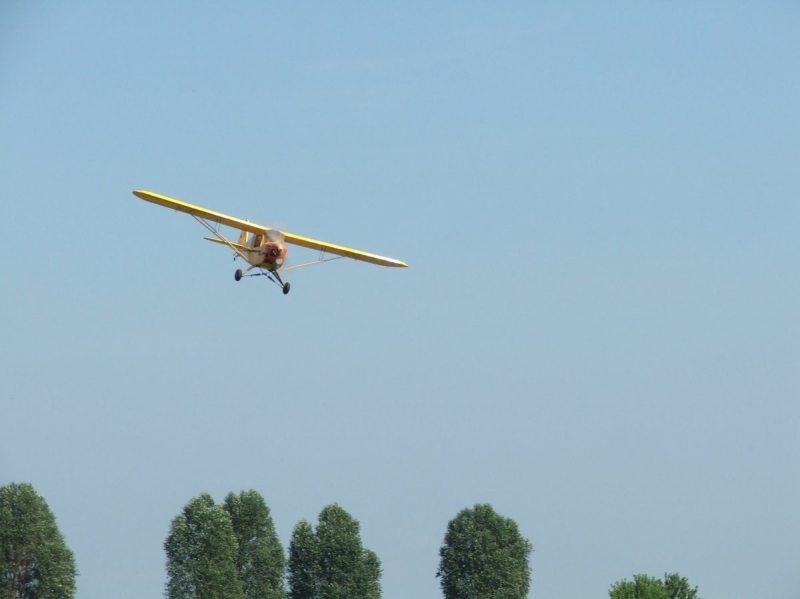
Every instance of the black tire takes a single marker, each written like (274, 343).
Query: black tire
(238, 275)
(286, 288)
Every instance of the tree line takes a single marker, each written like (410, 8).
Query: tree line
(230, 550)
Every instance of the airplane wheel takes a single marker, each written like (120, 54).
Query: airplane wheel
(286, 288)
(238, 275)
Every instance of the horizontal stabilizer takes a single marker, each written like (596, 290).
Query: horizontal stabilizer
(238, 246)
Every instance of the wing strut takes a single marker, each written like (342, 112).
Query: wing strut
(219, 236)
(285, 268)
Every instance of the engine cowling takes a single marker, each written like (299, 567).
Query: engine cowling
(274, 254)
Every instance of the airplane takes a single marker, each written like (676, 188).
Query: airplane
(261, 247)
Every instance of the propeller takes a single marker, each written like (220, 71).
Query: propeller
(275, 235)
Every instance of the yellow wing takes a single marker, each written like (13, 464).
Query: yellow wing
(236, 223)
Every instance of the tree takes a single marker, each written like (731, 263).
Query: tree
(35, 562)
(484, 556)
(201, 553)
(260, 561)
(369, 585)
(330, 562)
(678, 588)
(647, 587)
(303, 569)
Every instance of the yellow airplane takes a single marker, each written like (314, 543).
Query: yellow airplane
(262, 247)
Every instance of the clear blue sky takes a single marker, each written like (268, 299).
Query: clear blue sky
(598, 332)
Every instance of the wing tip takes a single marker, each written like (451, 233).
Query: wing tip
(383, 261)
(145, 195)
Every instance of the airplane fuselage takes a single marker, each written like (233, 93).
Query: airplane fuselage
(265, 253)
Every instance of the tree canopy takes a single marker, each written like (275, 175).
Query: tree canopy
(646, 587)
(201, 553)
(232, 551)
(303, 567)
(260, 561)
(330, 562)
(484, 556)
(35, 562)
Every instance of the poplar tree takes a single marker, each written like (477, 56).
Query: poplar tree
(330, 562)
(484, 556)
(35, 562)
(303, 567)
(646, 587)
(201, 553)
(260, 561)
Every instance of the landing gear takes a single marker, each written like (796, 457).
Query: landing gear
(286, 286)
(240, 273)
(272, 275)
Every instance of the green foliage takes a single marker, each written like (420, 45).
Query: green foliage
(642, 587)
(260, 561)
(484, 556)
(330, 562)
(369, 584)
(678, 588)
(35, 562)
(303, 574)
(647, 587)
(201, 553)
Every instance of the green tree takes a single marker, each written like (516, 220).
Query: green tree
(647, 587)
(35, 562)
(330, 562)
(370, 583)
(484, 556)
(678, 587)
(303, 570)
(260, 562)
(201, 553)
